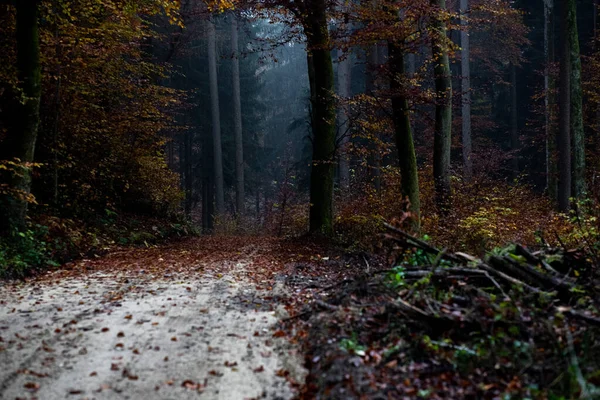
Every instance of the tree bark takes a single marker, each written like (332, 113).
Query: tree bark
(403, 134)
(577, 132)
(237, 116)
(466, 91)
(216, 120)
(564, 134)
(323, 118)
(21, 139)
(550, 101)
(443, 112)
(514, 122)
(344, 81)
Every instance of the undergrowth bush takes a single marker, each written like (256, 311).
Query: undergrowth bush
(50, 241)
(485, 214)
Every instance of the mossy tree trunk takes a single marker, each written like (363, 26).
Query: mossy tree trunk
(20, 142)
(403, 133)
(323, 117)
(577, 132)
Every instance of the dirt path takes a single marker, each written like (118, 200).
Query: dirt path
(194, 320)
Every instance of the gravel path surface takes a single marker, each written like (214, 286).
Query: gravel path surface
(135, 335)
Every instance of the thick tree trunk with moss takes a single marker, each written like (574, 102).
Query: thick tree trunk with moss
(216, 120)
(564, 134)
(443, 112)
(403, 134)
(577, 132)
(323, 118)
(20, 142)
(237, 120)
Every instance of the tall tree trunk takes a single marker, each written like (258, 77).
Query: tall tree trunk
(20, 142)
(323, 109)
(564, 134)
(237, 116)
(344, 83)
(189, 180)
(577, 132)
(216, 119)
(443, 112)
(403, 133)
(514, 122)
(550, 100)
(208, 185)
(466, 90)
(375, 161)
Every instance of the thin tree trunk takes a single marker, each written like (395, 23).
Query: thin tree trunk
(466, 91)
(550, 100)
(21, 139)
(216, 120)
(577, 132)
(237, 116)
(189, 181)
(208, 185)
(514, 122)
(403, 134)
(443, 112)
(564, 134)
(323, 108)
(344, 80)
(375, 159)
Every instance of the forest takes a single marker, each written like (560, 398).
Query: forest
(403, 194)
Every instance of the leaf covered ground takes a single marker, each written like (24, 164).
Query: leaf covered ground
(240, 317)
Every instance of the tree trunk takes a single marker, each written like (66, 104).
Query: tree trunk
(323, 109)
(550, 100)
(466, 91)
(403, 134)
(514, 122)
(443, 112)
(577, 132)
(375, 158)
(208, 185)
(189, 180)
(216, 119)
(344, 81)
(20, 142)
(564, 134)
(237, 116)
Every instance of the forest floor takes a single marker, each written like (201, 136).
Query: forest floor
(199, 315)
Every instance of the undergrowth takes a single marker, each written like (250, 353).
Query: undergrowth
(51, 241)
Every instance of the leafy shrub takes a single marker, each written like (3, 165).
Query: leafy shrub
(24, 251)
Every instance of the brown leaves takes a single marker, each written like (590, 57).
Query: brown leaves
(32, 386)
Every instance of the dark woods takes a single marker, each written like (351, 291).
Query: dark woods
(474, 121)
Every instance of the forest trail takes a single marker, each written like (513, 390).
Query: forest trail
(192, 319)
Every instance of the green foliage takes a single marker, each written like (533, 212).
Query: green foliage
(352, 345)
(22, 252)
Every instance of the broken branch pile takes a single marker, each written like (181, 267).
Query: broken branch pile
(516, 324)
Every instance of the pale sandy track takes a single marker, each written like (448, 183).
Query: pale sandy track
(135, 336)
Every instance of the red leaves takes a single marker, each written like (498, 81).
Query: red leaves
(279, 333)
